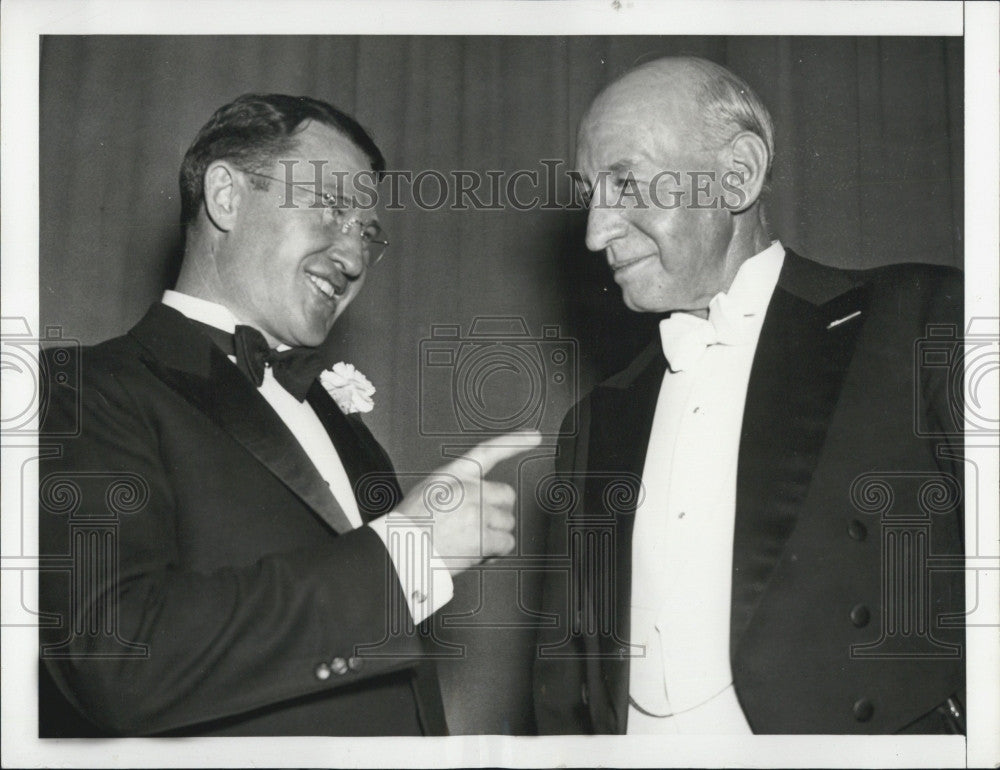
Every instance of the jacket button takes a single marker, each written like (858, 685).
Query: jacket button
(860, 615)
(863, 710)
(585, 694)
(338, 666)
(322, 672)
(857, 530)
(355, 663)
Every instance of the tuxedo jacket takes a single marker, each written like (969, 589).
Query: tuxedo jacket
(198, 576)
(847, 581)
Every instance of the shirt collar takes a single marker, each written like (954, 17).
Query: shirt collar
(739, 312)
(198, 309)
(754, 283)
(205, 311)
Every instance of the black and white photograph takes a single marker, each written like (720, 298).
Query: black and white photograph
(533, 383)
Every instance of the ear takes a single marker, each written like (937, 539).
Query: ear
(222, 194)
(744, 181)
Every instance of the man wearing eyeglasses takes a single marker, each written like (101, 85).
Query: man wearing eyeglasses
(261, 577)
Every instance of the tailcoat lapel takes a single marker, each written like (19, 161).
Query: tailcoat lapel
(806, 344)
(624, 406)
(187, 361)
(369, 469)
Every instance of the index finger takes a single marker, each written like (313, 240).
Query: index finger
(492, 451)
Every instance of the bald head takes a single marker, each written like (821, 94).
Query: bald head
(676, 153)
(689, 94)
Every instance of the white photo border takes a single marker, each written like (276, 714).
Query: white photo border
(24, 21)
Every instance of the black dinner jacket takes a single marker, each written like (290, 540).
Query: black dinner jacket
(833, 459)
(202, 579)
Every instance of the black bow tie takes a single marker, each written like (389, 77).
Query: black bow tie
(295, 369)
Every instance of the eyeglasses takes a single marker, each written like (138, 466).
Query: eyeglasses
(344, 216)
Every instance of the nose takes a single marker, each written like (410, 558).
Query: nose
(347, 253)
(604, 225)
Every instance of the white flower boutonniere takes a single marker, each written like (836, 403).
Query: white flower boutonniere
(349, 388)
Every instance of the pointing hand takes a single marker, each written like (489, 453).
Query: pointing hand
(473, 518)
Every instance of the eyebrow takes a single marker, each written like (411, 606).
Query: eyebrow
(622, 165)
(618, 167)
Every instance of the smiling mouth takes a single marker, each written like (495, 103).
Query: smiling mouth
(324, 287)
(617, 267)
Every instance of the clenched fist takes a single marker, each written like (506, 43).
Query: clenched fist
(472, 518)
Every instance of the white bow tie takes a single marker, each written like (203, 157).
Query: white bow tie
(685, 337)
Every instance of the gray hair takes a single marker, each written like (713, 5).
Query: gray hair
(729, 106)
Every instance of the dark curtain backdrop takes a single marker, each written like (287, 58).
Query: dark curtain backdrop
(868, 171)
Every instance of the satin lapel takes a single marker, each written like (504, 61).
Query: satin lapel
(805, 347)
(188, 362)
(624, 408)
(367, 465)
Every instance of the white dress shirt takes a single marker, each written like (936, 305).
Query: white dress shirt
(425, 580)
(682, 545)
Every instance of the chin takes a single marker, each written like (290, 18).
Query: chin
(314, 331)
(314, 339)
(645, 305)
(308, 337)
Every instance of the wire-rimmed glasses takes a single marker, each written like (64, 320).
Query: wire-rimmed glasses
(344, 216)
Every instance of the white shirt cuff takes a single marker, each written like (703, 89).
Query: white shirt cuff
(423, 575)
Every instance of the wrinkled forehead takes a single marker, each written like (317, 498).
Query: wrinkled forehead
(604, 140)
(654, 108)
(635, 126)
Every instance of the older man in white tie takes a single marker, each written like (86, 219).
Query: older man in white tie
(742, 585)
